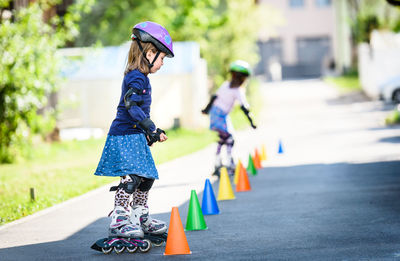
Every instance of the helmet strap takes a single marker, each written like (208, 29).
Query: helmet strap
(151, 64)
(155, 58)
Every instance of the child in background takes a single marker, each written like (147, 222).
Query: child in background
(219, 107)
(126, 153)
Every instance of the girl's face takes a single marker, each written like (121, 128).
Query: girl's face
(158, 63)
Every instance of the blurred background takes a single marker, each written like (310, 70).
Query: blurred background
(62, 64)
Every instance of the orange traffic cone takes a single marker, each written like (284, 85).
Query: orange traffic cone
(256, 159)
(176, 241)
(243, 182)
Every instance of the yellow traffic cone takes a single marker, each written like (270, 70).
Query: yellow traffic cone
(263, 153)
(225, 191)
(237, 172)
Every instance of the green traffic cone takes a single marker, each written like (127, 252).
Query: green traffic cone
(250, 166)
(195, 219)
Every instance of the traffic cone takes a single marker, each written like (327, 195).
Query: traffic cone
(237, 170)
(243, 183)
(176, 241)
(280, 148)
(257, 161)
(263, 153)
(209, 204)
(250, 166)
(195, 219)
(225, 191)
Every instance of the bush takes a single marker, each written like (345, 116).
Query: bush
(30, 71)
(393, 118)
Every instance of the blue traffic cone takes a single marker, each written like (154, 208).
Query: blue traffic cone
(280, 149)
(209, 205)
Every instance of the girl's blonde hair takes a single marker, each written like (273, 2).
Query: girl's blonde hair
(136, 60)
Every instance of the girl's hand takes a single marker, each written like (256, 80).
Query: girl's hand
(163, 137)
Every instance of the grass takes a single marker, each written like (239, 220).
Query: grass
(345, 83)
(60, 171)
(393, 117)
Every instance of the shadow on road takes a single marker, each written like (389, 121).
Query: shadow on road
(349, 98)
(340, 211)
(395, 139)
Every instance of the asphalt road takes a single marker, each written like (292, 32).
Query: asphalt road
(332, 195)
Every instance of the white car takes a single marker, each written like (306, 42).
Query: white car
(390, 90)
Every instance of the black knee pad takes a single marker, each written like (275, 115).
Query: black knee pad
(130, 186)
(146, 184)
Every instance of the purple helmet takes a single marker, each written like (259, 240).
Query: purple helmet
(155, 34)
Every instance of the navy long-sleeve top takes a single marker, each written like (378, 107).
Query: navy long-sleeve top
(126, 121)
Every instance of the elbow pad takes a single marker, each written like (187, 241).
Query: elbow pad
(128, 102)
(206, 110)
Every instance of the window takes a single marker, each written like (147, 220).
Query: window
(296, 3)
(323, 3)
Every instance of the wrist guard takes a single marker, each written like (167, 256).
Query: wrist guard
(151, 137)
(154, 136)
(247, 113)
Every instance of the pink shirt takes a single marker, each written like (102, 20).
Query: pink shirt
(226, 97)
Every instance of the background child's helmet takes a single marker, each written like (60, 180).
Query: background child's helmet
(241, 67)
(155, 34)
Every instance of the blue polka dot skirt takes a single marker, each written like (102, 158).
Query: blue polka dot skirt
(220, 120)
(127, 154)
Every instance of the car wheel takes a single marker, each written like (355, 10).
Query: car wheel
(396, 96)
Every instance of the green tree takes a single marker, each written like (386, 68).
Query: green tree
(368, 15)
(30, 71)
(225, 29)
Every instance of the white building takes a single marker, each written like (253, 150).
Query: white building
(92, 89)
(314, 38)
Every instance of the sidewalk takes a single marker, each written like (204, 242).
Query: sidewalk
(332, 195)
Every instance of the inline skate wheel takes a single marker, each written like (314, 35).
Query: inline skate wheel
(146, 247)
(158, 243)
(132, 249)
(106, 250)
(119, 249)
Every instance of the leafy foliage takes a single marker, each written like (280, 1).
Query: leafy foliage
(29, 72)
(226, 30)
(367, 15)
(393, 117)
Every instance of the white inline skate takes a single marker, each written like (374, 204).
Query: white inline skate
(122, 234)
(231, 167)
(154, 230)
(217, 166)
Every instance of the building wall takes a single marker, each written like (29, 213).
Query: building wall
(306, 21)
(92, 89)
(379, 62)
(309, 25)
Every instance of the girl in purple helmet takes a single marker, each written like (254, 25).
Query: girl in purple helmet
(126, 153)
